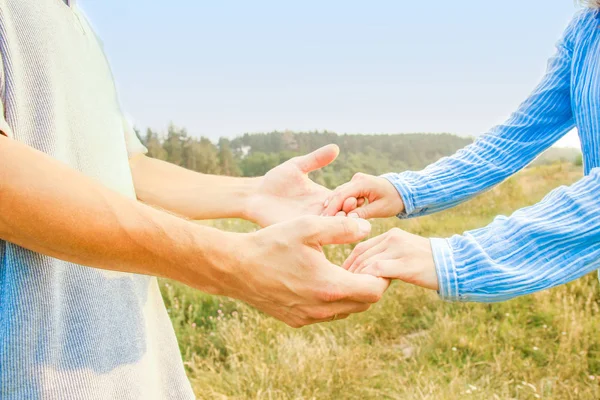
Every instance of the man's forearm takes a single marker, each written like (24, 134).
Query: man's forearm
(188, 193)
(52, 209)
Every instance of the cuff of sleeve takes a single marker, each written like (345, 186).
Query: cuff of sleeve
(133, 144)
(445, 269)
(136, 148)
(405, 193)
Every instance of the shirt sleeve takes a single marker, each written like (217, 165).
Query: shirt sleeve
(540, 121)
(133, 143)
(538, 247)
(4, 127)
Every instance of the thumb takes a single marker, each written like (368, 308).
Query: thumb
(366, 212)
(318, 158)
(335, 230)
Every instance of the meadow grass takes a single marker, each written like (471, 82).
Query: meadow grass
(411, 345)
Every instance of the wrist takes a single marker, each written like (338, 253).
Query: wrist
(214, 261)
(249, 199)
(403, 205)
(239, 193)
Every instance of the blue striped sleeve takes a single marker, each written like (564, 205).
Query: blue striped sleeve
(538, 247)
(539, 122)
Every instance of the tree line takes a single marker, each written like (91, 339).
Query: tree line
(255, 154)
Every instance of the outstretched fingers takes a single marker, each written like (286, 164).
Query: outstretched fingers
(374, 253)
(360, 249)
(386, 268)
(317, 159)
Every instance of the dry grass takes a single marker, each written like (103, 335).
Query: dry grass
(410, 345)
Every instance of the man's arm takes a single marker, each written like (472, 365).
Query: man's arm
(284, 193)
(190, 194)
(52, 209)
(539, 122)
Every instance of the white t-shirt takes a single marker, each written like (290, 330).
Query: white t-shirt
(69, 331)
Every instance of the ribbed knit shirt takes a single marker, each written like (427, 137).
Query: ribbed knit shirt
(68, 331)
(538, 247)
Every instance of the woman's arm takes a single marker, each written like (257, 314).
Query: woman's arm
(539, 122)
(538, 247)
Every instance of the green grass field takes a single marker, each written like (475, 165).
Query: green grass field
(411, 345)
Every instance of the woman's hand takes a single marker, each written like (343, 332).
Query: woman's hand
(383, 198)
(396, 255)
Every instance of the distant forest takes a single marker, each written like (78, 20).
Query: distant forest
(255, 154)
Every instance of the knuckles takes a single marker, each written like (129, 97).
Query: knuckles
(359, 263)
(395, 236)
(359, 248)
(359, 176)
(375, 269)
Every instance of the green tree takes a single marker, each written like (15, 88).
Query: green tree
(174, 145)
(227, 162)
(154, 145)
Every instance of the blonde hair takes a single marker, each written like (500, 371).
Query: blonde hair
(591, 3)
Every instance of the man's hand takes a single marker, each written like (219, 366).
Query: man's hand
(282, 271)
(383, 198)
(56, 211)
(282, 194)
(286, 192)
(396, 255)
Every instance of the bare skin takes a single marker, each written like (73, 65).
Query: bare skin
(393, 255)
(52, 209)
(282, 194)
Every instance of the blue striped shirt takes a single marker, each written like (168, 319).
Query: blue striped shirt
(538, 247)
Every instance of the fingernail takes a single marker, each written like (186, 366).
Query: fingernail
(364, 226)
(326, 203)
(353, 215)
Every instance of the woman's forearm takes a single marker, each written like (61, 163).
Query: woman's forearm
(539, 122)
(538, 247)
(188, 193)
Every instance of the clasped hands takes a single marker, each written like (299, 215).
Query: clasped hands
(295, 282)
(395, 254)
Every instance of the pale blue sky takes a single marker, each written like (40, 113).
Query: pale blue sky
(223, 68)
